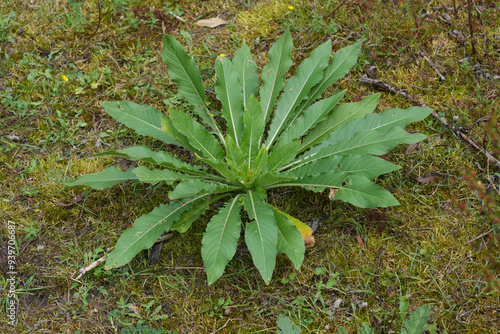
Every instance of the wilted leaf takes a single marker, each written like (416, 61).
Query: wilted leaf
(309, 241)
(212, 23)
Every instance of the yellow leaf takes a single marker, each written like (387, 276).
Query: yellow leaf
(212, 23)
(304, 229)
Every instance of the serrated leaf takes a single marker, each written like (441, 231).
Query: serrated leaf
(221, 167)
(104, 179)
(197, 135)
(342, 62)
(363, 142)
(317, 182)
(273, 74)
(417, 323)
(220, 239)
(183, 70)
(320, 166)
(338, 116)
(229, 91)
(381, 122)
(195, 187)
(312, 116)
(269, 179)
(144, 233)
(259, 164)
(161, 158)
(145, 120)
(246, 68)
(234, 155)
(290, 238)
(254, 129)
(360, 191)
(190, 216)
(168, 127)
(308, 73)
(366, 165)
(282, 155)
(261, 234)
(154, 176)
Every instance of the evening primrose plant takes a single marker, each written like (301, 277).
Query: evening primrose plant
(270, 132)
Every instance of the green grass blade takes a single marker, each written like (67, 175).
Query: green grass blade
(220, 239)
(229, 92)
(144, 120)
(104, 179)
(273, 74)
(197, 135)
(246, 68)
(298, 87)
(261, 234)
(144, 233)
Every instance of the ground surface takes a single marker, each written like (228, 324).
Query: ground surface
(60, 59)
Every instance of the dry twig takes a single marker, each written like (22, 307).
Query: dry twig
(442, 120)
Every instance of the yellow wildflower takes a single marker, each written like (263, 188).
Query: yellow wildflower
(65, 78)
(222, 55)
(291, 7)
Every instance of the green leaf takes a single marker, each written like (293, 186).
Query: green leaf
(246, 68)
(259, 164)
(273, 74)
(261, 234)
(360, 191)
(229, 92)
(190, 216)
(161, 158)
(282, 155)
(342, 62)
(290, 240)
(197, 135)
(220, 239)
(363, 142)
(317, 182)
(183, 70)
(382, 122)
(285, 326)
(168, 127)
(144, 120)
(154, 176)
(221, 168)
(308, 73)
(234, 155)
(104, 179)
(320, 166)
(270, 178)
(340, 115)
(312, 116)
(417, 322)
(366, 165)
(144, 233)
(195, 187)
(254, 129)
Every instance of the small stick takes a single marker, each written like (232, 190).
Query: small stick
(471, 29)
(84, 270)
(479, 237)
(376, 270)
(432, 65)
(457, 132)
(414, 15)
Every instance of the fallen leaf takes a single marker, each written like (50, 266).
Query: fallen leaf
(212, 23)
(309, 241)
(76, 199)
(360, 242)
(431, 177)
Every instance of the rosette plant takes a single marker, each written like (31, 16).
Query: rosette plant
(270, 132)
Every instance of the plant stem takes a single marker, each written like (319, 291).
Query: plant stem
(471, 27)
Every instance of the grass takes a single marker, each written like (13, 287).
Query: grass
(60, 59)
